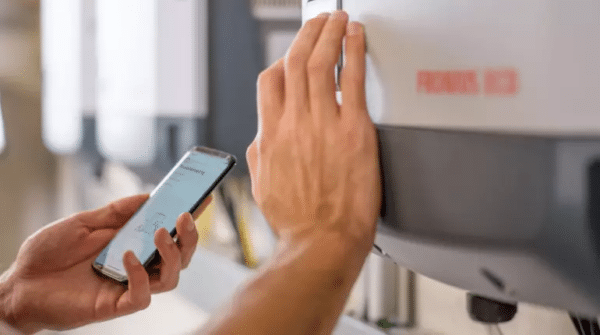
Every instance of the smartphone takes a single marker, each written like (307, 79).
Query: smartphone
(183, 189)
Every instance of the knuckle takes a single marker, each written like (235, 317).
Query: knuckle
(295, 62)
(160, 286)
(315, 21)
(318, 66)
(173, 284)
(168, 284)
(141, 302)
(263, 146)
(112, 207)
(103, 310)
(265, 77)
(269, 76)
(145, 301)
(185, 264)
(251, 151)
(114, 210)
(251, 154)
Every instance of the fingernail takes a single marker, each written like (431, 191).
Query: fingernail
(339, 14)
(324, 14)
(354, 28)
(191, 225)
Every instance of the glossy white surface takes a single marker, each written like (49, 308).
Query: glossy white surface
(551, 45)
(126, 44)
(62, 48)
(152, 62)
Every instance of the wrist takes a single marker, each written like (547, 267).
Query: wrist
(6, 289)
(357, 236)
(327, 251)
(8, 306)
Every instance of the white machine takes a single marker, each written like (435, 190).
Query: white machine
(489, 122)
(152, 66)
(69, 76)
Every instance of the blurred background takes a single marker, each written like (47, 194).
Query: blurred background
(98, 99)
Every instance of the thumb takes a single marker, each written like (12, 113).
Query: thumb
(113, 215)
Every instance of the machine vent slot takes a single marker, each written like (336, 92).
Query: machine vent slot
(493, 278)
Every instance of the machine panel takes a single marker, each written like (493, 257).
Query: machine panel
(487, 113)
(483, 65)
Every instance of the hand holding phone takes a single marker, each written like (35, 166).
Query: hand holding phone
(184, 188)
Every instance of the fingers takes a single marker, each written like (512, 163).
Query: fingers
(270, 98)
(113, 215)
(321, 75)
(202, 207)
(353, 74)
(137, 296)
(187, 238)
(296, 79)
(170, 262)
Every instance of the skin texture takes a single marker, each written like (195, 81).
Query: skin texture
(52, 285)
(315, 175)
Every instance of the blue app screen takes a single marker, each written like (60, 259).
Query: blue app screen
(177, 193)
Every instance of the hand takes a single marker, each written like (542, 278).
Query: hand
(314, 163)
(52, 284)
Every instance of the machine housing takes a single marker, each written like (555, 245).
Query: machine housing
(489, 128)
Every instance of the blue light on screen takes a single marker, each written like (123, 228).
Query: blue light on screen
(176, 194)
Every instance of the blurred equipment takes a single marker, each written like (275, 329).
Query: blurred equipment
(68, 64)
(490, 311)
(279, 22)
(488, 122)
(276, 9)
(585, 326)
(231, 193)
(390, 293)
(152, 79)
(235, 55)
(128, 81)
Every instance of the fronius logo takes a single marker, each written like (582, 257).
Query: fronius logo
(491, 82)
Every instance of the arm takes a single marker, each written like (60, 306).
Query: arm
(301, 291)
(315, 175)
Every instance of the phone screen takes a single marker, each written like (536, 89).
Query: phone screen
(182, 190)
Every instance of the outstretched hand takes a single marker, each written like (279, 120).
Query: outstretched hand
(52, 284)
(315, 175)
(314, 163)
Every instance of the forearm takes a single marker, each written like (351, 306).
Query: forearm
(301, 291)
